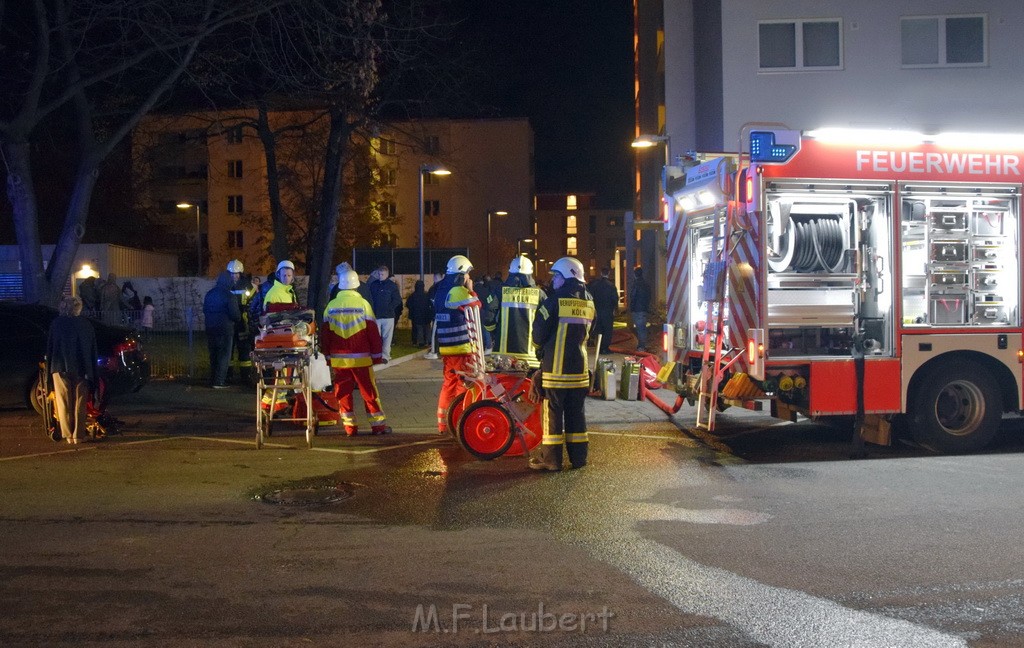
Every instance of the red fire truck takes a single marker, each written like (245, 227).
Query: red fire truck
(834, 277)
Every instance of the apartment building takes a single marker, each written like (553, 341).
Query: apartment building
(214, 161)
(920, 65)
(569, 225)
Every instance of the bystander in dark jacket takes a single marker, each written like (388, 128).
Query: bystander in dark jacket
(639, 306)
(71, 357)
(606, 301)
(220, 309)
(420, 314)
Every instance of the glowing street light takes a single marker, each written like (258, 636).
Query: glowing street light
(199, 243)
(489, 214)
(434, 170)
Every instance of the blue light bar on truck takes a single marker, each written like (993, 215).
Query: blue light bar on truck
(774, 146)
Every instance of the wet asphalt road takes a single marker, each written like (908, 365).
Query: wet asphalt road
(163, 536)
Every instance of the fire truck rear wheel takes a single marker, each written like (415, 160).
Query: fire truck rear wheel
(957, 409)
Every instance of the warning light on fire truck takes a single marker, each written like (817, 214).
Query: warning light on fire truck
(773, 146)
(755, 353)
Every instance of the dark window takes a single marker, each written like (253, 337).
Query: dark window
(234, 168)
(937, 41)
(235, 239)
(235, 205)
(593, 224)
(800, 44)
(234, 135)
(431, 207)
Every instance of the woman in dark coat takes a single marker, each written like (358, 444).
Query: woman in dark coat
(420, 314)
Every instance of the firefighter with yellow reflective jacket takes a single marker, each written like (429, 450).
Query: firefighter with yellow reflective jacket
(459, 334)
(519, 300)
(353, 344)
(560, 330)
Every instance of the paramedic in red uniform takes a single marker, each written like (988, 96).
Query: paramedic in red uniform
(560, 330)
(352, 341)
(458, 332)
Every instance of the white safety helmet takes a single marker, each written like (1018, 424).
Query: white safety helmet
(285, 264)
(459, 264)
(347, 278)
(341, 267)
(521, 265)
(234, 265)
(569, 268)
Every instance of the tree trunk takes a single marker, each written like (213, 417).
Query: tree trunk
(326, 226)
(63, 257)
(21, 193)
(279, 242)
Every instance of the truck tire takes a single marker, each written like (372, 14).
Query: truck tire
(957, 408)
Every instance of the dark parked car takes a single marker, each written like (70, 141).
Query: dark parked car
(123, 366)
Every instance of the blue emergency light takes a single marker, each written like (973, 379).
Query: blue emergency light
(773, 146)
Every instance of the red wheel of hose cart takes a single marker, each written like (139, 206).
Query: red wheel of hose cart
(486, 430)
(529, 411)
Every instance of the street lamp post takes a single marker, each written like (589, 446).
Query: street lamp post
(519, 244)
(489, 214)
(435, 170)
(647, 141)
(199, 242)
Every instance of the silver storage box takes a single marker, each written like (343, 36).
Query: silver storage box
(989, 223)
(947, 251)
(946, 279)
(986, 253)
(989, 313)
(985, 280)
(947, 309)
(949, 221)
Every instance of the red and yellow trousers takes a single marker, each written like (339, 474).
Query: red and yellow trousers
(452, 386)
(346, 380)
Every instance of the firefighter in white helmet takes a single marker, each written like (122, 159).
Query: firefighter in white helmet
(275, 295)
(560, 330)
(520, 297)
(242, 289)
(458, 323)
(352, 341)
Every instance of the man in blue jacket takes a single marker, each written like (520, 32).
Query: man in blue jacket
(387, 305)
(221, 312)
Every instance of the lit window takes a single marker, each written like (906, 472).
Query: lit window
(234, 204)
(800, 44)
(234, 168)
(570, 246)
(570, 202)
(236, 239)
(570, 225)
(937, 41)
(388, 210)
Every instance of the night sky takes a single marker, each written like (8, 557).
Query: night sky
(566, 65)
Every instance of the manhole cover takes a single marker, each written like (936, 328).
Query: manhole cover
(311, 496)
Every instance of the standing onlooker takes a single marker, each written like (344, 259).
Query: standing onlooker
(432, 296)
(71, 357)
(363, 289)
(220, 309)
(606, 300)
(386, 301)
(560, 330)
(639, 306)
(147, 316)
(110, 300)
(89, 291)
(352, 341)
(419, 314)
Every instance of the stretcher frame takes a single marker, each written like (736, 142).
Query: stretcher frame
(280, 370)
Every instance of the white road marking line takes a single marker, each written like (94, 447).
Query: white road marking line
(47, 454)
